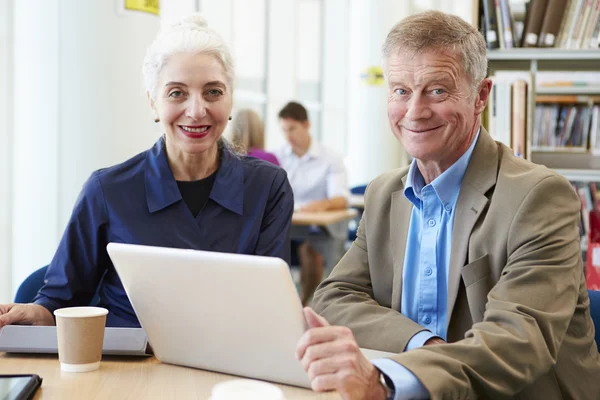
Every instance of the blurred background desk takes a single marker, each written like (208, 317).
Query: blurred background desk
(357, 201)
(327, 233)
(128, 378)
(322, 218)
(326, 230)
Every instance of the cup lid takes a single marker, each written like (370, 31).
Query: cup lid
(246, 389)
(80, 312)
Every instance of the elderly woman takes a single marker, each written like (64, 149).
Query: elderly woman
(249, 132)
(190, 190)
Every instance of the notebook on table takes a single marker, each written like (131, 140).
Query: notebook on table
(42, 339)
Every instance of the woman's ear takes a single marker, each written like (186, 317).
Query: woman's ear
(153, 107)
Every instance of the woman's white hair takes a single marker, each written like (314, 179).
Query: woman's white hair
(190, 35)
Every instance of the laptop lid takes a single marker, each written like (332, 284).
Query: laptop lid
(231, 313)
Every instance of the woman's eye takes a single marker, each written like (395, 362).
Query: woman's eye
(175, 93)
(401, 92)
(438, 91)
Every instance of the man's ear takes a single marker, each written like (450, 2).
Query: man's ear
(483, 95)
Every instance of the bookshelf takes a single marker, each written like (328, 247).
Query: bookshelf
(553, 45)
(564, 38)
(574, 164)
(532, 55)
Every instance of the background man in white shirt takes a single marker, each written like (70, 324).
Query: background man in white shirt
(319, 181)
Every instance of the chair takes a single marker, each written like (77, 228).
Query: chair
(34, 282)
(30, 286)
(353, 225)
(595, 312)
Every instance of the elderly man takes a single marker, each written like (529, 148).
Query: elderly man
(467, 263)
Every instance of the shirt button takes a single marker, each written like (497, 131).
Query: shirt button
(428, 271)
(448, 207)
(431, 222)
(427, 320)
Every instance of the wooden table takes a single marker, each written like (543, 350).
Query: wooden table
(357, 201)
(128, 378)
(322, 218)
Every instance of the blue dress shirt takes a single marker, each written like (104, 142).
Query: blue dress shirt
(249, 211)
(425, 271)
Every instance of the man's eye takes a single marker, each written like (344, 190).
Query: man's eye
(438, 91)
(401, 92)
(215, 92)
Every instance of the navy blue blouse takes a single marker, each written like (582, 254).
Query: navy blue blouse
(249, 211)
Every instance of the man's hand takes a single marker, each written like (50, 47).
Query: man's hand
(333, 361)
(24, 314)
(316, 206)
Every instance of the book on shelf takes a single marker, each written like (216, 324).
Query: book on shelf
(533, 22)
(565, 123)
(519, 117)
(490, 24)
(567, 24)
(553, 16)
(506, 113)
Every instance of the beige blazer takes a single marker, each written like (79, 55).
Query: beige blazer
(519, 324)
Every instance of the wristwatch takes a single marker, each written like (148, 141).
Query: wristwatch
(388, 386)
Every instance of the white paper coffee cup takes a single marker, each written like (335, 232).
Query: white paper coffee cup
(80, 335)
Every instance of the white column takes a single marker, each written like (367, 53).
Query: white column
(334, 81)
(35, 135)
(281, 65)
(6, 71)
(79, 105)
(372, 149)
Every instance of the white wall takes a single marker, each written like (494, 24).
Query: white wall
(281, 65)
(79, 105)
(5, 148)
(35, 135)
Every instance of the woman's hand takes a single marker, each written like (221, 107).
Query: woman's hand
(25, 314)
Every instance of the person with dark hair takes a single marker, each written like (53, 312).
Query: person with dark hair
(319, 181)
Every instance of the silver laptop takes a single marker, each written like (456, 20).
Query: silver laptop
(231, 313)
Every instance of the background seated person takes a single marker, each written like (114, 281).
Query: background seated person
(319, 181)
(248, 131)
(190, 190)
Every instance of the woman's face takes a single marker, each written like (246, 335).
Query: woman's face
(193, 102)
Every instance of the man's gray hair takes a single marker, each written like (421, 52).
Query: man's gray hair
(435, 30)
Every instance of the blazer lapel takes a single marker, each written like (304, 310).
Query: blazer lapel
(400, 220)
(480, 176)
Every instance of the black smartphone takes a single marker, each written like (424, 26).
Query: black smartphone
(19, 387)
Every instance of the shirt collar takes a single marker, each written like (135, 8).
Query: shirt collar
(446, 186)
(313, 150)
(162, 190)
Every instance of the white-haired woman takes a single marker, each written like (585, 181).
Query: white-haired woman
(190, 190)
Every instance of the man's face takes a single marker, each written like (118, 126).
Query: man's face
(296, 132)
(431, 105)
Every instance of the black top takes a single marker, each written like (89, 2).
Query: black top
(195, 193)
